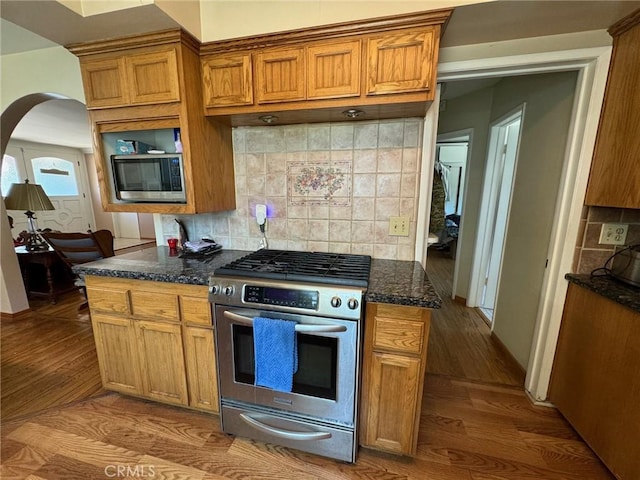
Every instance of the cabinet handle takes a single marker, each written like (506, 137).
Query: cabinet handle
(289, 435)
(307, 328)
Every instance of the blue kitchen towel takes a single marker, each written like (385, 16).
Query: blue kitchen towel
(276, 353)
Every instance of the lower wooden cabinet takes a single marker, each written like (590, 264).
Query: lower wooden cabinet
(595, 381)
(117, 356)
(395, 358)
(161, 361)
(155, 340)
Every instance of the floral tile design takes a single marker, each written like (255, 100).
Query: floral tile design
(319, 182)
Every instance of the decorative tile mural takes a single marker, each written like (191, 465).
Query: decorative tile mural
(315, 182)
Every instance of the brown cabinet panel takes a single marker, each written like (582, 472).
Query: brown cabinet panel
(153, 77)
(334, 70)
(394, 363)
(161, 361)
(154, 305)
(104, 82)
(614, 180)
(392, 402)
(196, 310)
(401, 62)
(202, 377)
(595, 382)
(227, 80)
(117, 356)
(281, 75)
(109, 300)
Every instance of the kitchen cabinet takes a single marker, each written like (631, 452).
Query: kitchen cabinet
(142, 86)
(394, 364)
(615, 171)
(595, 382)
(385, 67)
(155, 340)
(401, 62)
(142, 76)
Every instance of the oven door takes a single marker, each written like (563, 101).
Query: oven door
(325, 385)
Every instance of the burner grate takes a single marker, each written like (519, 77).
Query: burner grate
(330, 268)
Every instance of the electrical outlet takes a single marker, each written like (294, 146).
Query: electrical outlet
(399, 226)
(261, 213)
(613, 233)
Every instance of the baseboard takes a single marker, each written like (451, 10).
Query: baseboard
(460, 300)
(506, 351)
(14, 316)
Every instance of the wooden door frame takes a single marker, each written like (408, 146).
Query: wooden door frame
(592, 65)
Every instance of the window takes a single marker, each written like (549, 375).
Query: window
(9, 174)
(56, 175)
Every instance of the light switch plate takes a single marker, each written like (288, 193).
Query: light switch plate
(399, 226)
(613, 233)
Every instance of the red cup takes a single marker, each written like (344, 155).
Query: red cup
(173, 243)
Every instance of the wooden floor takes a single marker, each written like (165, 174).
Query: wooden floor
(460, 341)
(57, 423)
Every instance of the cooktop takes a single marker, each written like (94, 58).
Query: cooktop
(319, 267)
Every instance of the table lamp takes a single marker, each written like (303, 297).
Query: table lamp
(30, 197)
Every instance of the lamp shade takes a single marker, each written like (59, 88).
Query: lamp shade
(27, 196)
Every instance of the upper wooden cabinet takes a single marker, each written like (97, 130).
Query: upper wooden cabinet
(227, 80)
(143, 88)
(385, 67)
(401, 62)
(280, 75)
(615, 170)
(144, 76)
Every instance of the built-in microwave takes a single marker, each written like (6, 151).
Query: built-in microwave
(149, 178)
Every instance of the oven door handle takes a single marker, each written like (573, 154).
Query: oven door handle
(301, 328)
(289, 435)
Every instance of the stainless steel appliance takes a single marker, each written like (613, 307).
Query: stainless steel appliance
(148, 178)
(626, 265)
(323, 293)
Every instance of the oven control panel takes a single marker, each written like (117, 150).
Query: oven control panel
(281, 297)
(324, 300)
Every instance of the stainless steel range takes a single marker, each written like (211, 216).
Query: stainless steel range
(322, 293)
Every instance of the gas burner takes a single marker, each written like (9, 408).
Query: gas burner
(318, 267)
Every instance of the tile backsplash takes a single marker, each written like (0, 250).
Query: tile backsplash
(328, 187)
(589, 253)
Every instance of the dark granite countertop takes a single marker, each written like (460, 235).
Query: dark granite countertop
(390, 281)
(610, 288)
(158, 265)
(401, 283)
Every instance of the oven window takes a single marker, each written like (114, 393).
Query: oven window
(317, 362)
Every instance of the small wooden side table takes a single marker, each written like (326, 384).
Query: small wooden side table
(44, 273)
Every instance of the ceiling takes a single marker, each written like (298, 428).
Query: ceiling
(36, 24)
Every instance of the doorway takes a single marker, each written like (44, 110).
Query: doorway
(504, 139)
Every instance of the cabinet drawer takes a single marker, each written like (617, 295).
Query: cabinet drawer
(196, 310)
(155, 305)
(109, 300)
(398, 335)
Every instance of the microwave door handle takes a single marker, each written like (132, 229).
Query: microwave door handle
(289, 435)
(300, 328)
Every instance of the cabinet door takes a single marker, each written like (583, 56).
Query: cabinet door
(201, 368)
(401, 62)
(280, 75)
(104, 82)
(227, 80)
(614, 180)
(392, 401)
(153, 77)
(115, 346)
(334, 70)
(161, 361)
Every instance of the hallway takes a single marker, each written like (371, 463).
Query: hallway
(460, 341)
